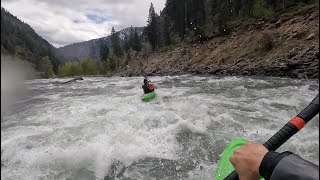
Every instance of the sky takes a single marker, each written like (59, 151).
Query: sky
(63, 22)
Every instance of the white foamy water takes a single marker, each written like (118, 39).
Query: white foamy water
(99, 128)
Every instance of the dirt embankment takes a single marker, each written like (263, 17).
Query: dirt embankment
(287, 47)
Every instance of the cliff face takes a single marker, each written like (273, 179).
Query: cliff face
(287, 46)
(79, 51)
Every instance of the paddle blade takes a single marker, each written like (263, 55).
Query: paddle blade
(225, 167)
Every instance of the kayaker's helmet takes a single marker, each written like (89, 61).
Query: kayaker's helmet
(145, 81)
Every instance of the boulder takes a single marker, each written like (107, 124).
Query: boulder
(311, 36)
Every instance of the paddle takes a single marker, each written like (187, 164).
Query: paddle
(145, 75)
(290, 129)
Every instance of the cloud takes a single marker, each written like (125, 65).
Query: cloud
(96, 18)
(63, 22)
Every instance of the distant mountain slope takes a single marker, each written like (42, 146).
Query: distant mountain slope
(91, 48)
(18, 38)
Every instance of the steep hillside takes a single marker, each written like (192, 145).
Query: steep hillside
(284, 46)
(18, 38)
(91, 48)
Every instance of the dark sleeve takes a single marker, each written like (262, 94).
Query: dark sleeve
(286, 165)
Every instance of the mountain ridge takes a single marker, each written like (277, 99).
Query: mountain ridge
(91, 48)
(20, 39)
(30, 46)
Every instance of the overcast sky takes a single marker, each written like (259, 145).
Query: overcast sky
(63, 22)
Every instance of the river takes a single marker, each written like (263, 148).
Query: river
(99, 128)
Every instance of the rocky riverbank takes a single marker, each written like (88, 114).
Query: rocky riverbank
(287, 46)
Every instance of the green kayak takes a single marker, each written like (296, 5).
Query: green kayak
(148, 97)
(225, 167)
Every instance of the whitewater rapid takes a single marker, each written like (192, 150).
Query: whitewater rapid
(99, 128)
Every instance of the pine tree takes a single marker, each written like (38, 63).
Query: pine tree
(180, 19)
(166, 31)
(112, 62)
(48, 72)
(136, 42)
(126, 43)
(152, 30)
(116, 43)
(131, 36)
(104, 51)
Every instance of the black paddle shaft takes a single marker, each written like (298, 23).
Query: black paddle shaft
(145, 76)
(286, 132)
(144, 73)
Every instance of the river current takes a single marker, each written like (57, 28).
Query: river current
(99, 128)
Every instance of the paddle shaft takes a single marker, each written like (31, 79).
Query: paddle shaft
(286, 132)
(144, 74)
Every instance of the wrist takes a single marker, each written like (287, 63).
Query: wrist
(269, 162)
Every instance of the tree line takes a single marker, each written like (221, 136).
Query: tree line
(112, 57)
(121, 50)
(194, 20)
(180, 20)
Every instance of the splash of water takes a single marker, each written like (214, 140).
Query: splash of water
(99, 128)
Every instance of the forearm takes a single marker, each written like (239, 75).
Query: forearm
(276, 166)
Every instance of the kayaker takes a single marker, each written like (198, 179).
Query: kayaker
(147, 87)
(254, 160)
